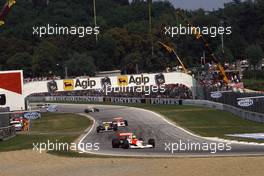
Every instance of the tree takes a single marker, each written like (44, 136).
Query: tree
(261, 36)
(131, 62)
(124, 35)
(254, 53)
(21, 61)
(81, 64)
(44, 59)
(227, 56)
(40, 3)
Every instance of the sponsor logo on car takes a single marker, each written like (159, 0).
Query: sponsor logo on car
(245, 102)
(68, 84)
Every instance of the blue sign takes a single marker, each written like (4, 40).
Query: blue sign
(32, 115)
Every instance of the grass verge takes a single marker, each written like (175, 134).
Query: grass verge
(55, 127)
(252, 84)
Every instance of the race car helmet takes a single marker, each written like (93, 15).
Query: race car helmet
(134, 136)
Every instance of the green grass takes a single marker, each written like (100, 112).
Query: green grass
(22, 141)
(58, 123)
(252, 84)
(55, 127)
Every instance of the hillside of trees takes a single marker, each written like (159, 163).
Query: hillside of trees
(124, 40)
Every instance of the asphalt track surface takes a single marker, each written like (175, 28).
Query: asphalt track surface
(147, 124)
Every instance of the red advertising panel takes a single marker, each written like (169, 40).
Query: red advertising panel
(11, 81)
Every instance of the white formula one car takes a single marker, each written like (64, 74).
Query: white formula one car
(91, 109)
(129, 140)
(46, 105)
(17, 124)
(120, 122)
(106, 126)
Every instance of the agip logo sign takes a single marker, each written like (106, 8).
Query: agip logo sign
(85, 83)
(68, 84)
(71, 84)
(137, 80)
(122, 81)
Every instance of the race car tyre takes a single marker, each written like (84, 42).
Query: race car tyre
(98, 130)
(125, 144)
(86, 111)
(151, 142)
(126, 123)
(115, 127)
(115, 143)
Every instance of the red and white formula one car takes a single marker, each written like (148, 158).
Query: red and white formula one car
(129, 140)
(120, 122)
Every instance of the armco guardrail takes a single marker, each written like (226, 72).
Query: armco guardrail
(253, 116)
(104, 99)
(257, 117)
(66, 98)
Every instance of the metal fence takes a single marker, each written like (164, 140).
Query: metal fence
(7, 132)
(247, 101)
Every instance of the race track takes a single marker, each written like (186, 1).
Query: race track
(147, 124)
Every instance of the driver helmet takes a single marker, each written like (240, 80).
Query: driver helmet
(134, 136)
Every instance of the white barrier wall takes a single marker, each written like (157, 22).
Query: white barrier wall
(95, 82)
(17, 101)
